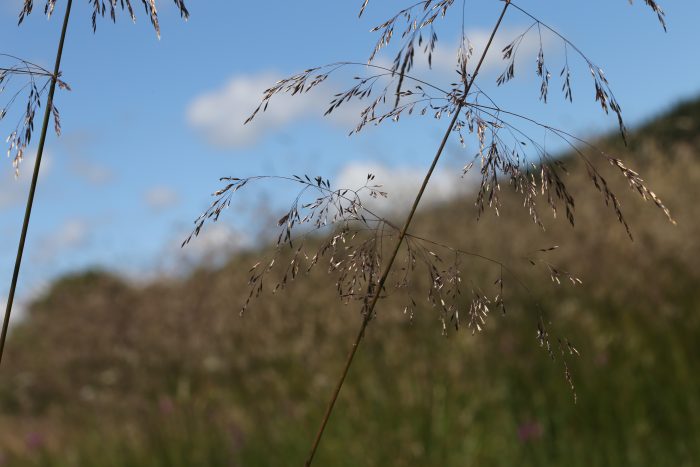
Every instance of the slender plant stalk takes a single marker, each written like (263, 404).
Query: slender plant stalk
(369, 310)
(35, 178)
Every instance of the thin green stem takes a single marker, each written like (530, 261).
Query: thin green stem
(35, 179)
(369, 309)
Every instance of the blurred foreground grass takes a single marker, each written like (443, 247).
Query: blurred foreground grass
(105, 373)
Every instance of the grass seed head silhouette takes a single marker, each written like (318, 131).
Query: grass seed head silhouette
(363, 246)
(504, 151)
(22, 80)
(101, 7)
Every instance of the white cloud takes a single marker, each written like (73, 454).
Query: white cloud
(213, 247)
(14, 190)
(19, 308)
(92, 173)
(219, 115)
(161, 197)
(72, 234)
(27, 295)
(215, 243)
(79, 147)
(402, 184)
(444, 59)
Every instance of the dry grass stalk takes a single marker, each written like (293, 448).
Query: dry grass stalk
(21, 136)
(48, 111)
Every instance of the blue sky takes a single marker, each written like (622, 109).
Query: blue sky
(150, 124)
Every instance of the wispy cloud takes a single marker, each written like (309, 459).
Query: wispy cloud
(23, 301)
(14, 190)
(213, 245)
(92, 173)
(161, 197)
(401, 184)
(80, 148)
(444, 58)
(219, 115)
(71, 235)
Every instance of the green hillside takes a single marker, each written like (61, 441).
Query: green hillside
(103, 372)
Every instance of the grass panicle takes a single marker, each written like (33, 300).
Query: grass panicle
(100, 8)
(24, 81)
(358, 250)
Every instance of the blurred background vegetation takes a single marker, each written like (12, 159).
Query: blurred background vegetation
(106, 372)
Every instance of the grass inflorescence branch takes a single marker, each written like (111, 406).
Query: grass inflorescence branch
(363, 247)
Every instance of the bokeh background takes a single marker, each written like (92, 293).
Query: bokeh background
(129, 350)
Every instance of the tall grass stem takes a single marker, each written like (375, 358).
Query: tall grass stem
(35, 179)
(369, 310)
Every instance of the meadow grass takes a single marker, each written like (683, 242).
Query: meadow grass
(169, 374)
